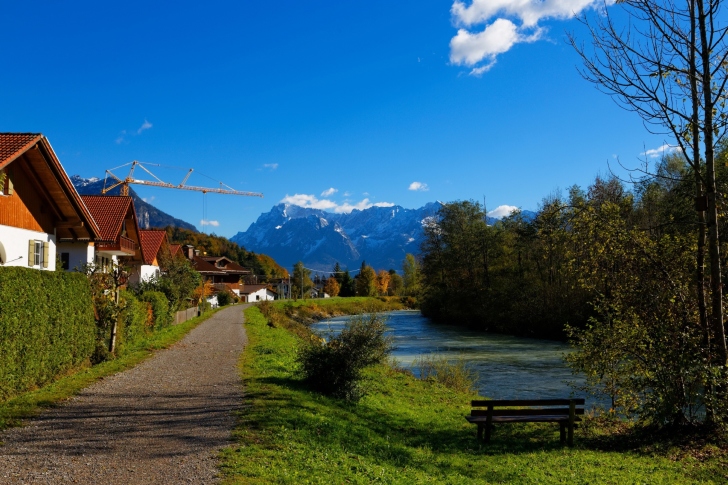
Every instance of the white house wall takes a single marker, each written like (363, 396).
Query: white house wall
(263, 294)
(145, 272)
(79, 254)
(14, 246)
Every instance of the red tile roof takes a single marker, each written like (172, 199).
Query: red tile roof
(151, 244)
(12, 145)
(109, 212)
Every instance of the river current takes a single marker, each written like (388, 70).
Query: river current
(508, 367)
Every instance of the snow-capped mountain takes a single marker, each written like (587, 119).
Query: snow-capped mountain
(148, 215)
(381, 236)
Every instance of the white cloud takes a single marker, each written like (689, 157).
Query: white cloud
(502, 211)
(145, 126)
(271, 166)
(204, 222)
(308, 201)
(661, 151)
(312, 202)
(507, 23)
(149, 200)
(364, 204)
(328, 192)
(418, 186)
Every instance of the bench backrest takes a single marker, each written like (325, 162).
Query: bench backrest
(546, 407)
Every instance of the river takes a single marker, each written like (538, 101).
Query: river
(508, 367)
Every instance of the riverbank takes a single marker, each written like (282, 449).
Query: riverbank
(410, 431)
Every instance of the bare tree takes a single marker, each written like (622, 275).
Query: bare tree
(666, 61)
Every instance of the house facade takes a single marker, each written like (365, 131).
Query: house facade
(42, 217)
(153, 243)
(119, 236)
(253, 293)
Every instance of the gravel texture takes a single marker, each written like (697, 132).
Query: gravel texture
(161, 422)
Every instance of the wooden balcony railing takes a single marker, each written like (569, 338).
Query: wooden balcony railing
(122, 245)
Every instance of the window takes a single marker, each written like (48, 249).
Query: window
(66, 261)
(38, 253)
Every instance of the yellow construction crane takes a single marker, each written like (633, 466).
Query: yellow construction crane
(129, 179)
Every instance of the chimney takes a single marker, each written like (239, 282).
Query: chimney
(190, 252)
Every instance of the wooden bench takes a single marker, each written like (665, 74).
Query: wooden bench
(528, 411)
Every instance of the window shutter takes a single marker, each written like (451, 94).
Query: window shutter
(46, 253)
(31, 253)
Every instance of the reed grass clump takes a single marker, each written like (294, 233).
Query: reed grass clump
(453, 374)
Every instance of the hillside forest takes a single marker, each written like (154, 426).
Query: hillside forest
(262, 265)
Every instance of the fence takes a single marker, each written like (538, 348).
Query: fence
(184, 315)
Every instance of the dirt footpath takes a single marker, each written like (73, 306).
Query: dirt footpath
(160, 422)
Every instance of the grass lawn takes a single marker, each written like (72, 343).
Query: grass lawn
(410, 431)
(31, 403)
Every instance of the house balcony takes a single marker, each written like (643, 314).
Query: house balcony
(121, 247)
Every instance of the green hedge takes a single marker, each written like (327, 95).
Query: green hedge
(46, 326)
(160, 308)
(134, 319)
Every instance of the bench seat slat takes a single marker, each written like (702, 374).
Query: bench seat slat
(526, 412)
(558, 418)
(527, 402)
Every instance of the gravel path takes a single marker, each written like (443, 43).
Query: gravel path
(160, 422)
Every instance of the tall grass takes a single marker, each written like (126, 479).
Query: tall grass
(453, 374)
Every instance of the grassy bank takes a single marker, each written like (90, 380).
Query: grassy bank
(31, 403)
(409, 431)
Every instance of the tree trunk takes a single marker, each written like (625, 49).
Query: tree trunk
(716, 281)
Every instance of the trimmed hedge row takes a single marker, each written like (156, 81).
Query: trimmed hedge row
(46, 326)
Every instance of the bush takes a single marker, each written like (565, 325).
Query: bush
(224, 298)
(46, 326)
(335, 368)
(456, 375)
(160, 307)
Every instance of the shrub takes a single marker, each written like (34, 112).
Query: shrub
(454, 374)
(224, 298)
(160, 307)
(46, 326)
(335, 367)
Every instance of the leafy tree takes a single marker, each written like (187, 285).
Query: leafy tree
(667, 64)
(366, 281)
(396, 284)
(301, 283)
(332, 287)
(382, 283)
(411, 280)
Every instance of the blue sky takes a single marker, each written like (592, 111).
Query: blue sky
(328, 104)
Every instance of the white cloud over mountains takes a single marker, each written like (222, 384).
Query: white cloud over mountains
(204, 222)
(507, 23)
(328, 192)
(312, 202)
(502, 211)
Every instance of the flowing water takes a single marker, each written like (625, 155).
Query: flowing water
(508, 367)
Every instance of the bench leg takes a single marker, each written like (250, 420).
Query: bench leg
(562, 432)
(570, 438)
(488, 428)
